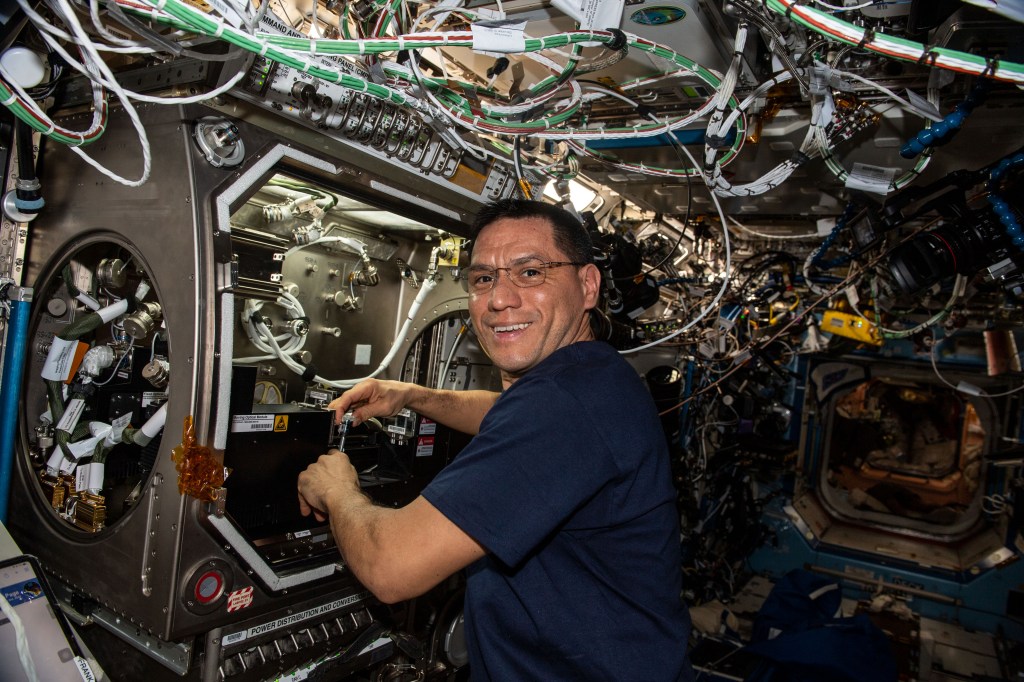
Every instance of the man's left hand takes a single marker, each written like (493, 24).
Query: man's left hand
(324, 482)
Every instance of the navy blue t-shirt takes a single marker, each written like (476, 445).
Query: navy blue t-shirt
(568, 487)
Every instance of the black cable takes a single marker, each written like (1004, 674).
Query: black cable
(689, 191)
(518, 165)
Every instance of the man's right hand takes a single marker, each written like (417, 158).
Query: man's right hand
(372, 398)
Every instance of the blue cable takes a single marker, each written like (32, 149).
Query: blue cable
(1007, 216)
(10, 389)
(942, 131)
(819, 261)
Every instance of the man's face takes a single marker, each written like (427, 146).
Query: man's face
(519, 327)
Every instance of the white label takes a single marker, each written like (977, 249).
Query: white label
(85, 448)
(319, 395)
(228, 11)
(499, 36)
(82, 477)
(153, 397)
(392, 428)
(84, 670)
(72, 413)
(243, 423)
(376, 644)
(827, 110)
(819, 79)
(428, 427)
(363, 353)
(59, 360)
(923, 106)
(425, 446)
(264, 628)
(876, 179)
(302, 533)
(119, 425)
(68, 466)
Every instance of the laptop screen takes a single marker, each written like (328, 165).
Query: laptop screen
(47, 639)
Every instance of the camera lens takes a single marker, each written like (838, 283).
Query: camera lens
(961, 247)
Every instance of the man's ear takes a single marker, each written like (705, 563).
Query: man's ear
(590, 280)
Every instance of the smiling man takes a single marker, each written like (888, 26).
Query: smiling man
(561, 508)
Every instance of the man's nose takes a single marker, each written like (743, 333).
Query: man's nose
(504, 294)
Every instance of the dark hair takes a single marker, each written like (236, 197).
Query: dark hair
(570, 235)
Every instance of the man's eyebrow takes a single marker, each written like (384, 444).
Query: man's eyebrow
(514, 261)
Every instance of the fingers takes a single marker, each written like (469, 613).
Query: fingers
(361, 394)
(305, 509)
(323, 481)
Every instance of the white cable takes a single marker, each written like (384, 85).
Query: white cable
(1011, 9)
(959, 286)
(441, 380)
(963, 386)
(806, 271)
(71, 19)
(888, 93)
(354, 245)
(726, 275)
(46, 27)
(264, 340)
(193, 99)
(850, 8)
(765, 235)
(428, 286)
(94, 13)
(24, 653)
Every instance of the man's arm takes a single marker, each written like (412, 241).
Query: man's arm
(396, 553)
(459, 410)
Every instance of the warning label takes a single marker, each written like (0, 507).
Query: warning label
(424, 446)
(242, 423)
(281, 422)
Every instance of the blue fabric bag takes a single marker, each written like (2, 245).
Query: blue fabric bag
(802, 638)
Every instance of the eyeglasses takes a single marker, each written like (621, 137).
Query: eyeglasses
(525, 273)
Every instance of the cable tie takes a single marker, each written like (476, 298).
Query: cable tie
(928, 56)
(264, 47)
(618, 41)
(312, 47)
(401, 43)
(362, 47)
(866, 37)
(789, 9)
(11, 100)
(991, 64)
(220, 27)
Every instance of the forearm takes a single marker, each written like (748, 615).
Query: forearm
(356, 524)
(459, 410)
(401, 553)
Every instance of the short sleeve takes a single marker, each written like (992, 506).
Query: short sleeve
(535, 461)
